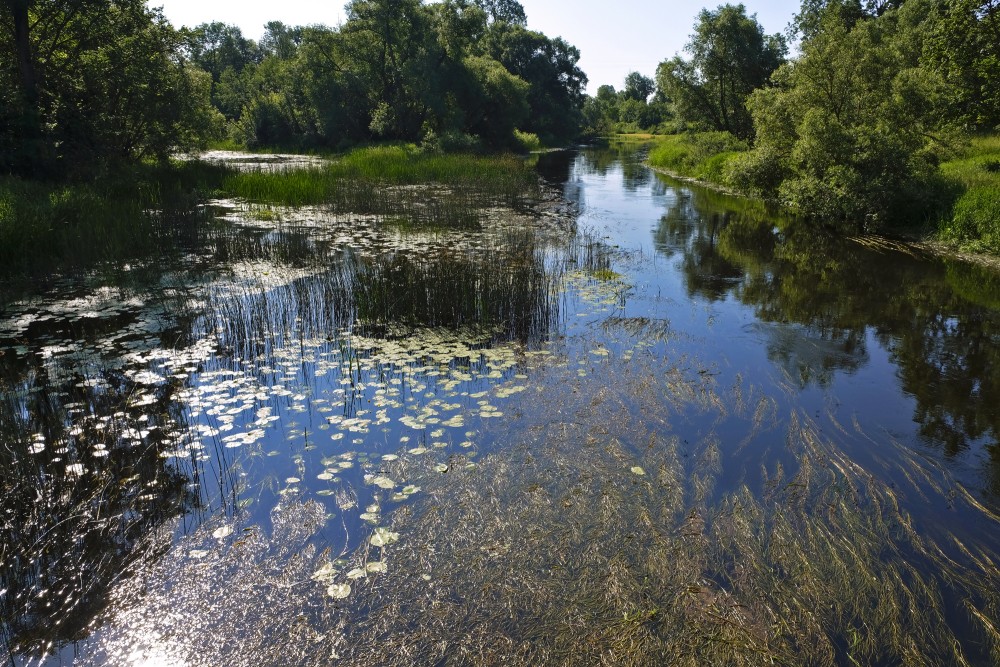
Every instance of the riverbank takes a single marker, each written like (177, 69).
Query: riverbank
(970, 230)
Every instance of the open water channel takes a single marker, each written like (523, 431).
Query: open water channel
(637, 423)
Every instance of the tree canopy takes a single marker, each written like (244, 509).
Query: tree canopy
(731, 56)
(96, 81)
(87, 81)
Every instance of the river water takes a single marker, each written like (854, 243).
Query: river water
(650, 425)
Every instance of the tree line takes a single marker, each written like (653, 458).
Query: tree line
(87, 83)
(851, 129)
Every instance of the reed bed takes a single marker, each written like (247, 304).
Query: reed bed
(395, 181)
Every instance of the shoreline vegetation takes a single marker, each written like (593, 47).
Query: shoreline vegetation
(901, 139)
(968, 228)
(139, 214)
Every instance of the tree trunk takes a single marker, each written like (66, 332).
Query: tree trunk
(31, 155)
(22, 46)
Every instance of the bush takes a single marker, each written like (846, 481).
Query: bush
(704, 155)
(528, 141)
(759, 172)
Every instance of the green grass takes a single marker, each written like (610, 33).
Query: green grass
(703, 156)
(358, 180)
(975, 221)
(54, 227)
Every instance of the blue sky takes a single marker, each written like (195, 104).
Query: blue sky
(614, 38)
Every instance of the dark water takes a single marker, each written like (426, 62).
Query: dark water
(255, 445)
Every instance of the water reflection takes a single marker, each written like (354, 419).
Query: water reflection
(284, 353)
(820, 299)
(337, 403)
(87, 483)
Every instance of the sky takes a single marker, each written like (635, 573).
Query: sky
(614, 38)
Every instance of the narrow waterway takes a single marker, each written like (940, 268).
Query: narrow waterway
(643, 423)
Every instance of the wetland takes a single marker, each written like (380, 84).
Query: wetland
(608, 418)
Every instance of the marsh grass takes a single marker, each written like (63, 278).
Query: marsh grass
(143, 213)
(391, 180)
(506, 287)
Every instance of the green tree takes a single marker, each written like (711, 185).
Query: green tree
(638, 87)
(504, 11)
(549, 66)
(730, 58)
(852, 131)
(94, 81)
(964, 47)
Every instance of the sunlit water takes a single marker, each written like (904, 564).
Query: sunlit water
(667, 427)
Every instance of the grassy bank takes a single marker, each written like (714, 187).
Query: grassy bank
(702, 156)
(975, 221)
(972, 223)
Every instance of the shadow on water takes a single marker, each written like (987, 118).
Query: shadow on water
(86, 484)
(820, 299)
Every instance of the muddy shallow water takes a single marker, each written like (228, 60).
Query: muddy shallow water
(650, 425)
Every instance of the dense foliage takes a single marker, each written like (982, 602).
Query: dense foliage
(731, 56)
(84, 82)
(453, 74)
(95, 82)
(855, 129)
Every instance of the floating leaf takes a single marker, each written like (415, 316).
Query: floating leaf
(223, 532)
(376, 566)
(441, 467)
(383, 536)
(339, 591)
(638, 471)
(357, 573)
(325, 573)
(383, 482)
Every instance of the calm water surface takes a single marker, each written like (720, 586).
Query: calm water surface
(660, 424)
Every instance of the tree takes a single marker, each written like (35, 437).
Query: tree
(730, 58)
(95, 81)
(852, 131)
(504, 11)
(964, 47)
(550, 67)
(638, 87)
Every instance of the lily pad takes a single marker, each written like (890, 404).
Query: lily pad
(383, 536)
(339, 591)
(223, 532)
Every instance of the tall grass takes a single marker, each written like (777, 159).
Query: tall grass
(54, 227)
(975, 220)
(361, 181)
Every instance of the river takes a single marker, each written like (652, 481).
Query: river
(645, 423)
